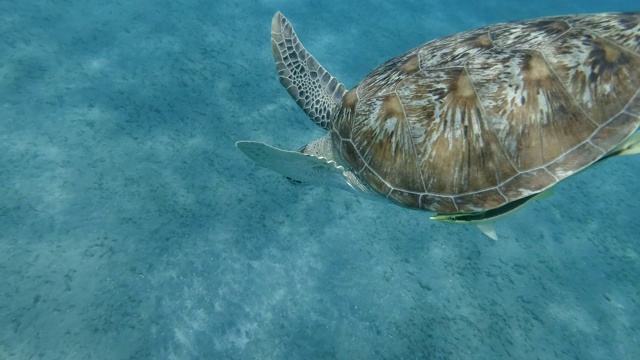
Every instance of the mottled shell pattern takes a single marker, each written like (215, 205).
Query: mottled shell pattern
(483, 118)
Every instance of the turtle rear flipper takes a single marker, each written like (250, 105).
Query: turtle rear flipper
(484, 220)
(296, 166)
(631, 146)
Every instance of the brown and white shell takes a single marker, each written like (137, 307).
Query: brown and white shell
(484, 118)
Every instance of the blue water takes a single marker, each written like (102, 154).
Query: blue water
(132, 228)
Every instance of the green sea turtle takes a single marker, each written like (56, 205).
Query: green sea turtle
(471, 126)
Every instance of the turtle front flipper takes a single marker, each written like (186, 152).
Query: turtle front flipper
(309, 84)
(297, 166)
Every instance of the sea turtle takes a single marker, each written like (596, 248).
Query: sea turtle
(473, 125)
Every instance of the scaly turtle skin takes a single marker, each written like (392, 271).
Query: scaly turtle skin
(473, 125)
